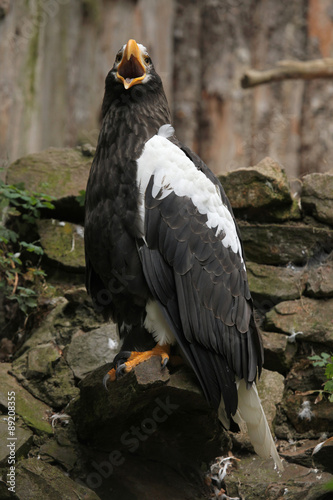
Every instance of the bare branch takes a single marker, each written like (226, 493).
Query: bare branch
(286, 70)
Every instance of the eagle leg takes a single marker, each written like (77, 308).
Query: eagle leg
(133, 359)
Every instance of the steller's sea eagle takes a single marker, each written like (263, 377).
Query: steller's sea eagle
(164, 256)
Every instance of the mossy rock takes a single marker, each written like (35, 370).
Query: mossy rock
(33, 412)
(23, 439)
(41, 360)
(259, 193)
(272, 284)
(61, 173)
(63, 244)
(56, 388)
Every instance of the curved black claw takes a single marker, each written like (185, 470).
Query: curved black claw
(121, 357)
(120, 370)
(106, 379)
(165, 362)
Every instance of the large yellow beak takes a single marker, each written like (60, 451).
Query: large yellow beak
(131, 69)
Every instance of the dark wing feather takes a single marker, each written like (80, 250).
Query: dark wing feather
(202, 289)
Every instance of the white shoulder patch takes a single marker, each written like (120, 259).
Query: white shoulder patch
(166, 131)
(174, 172)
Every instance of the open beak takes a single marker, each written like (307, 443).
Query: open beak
(131, 70)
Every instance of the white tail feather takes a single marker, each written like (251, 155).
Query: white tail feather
(251, 412)
(250, 417)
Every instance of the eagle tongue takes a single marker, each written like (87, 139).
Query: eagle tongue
(131, 69)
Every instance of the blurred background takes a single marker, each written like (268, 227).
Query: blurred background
(55, 54)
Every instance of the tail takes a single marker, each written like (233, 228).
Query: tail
(251, 413)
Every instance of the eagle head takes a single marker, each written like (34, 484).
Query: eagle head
(133, 64)
(133, 76)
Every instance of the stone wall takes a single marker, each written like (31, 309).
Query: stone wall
(288, 241)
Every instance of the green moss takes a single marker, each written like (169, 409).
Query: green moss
(92, 10)
(31, 63)
(32, 411)
(62, 243)
(58, 172)
(274, 283)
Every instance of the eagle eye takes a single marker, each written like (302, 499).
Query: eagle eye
(118, 57)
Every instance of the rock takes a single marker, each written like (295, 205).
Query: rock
(33, 412)
(39, 364)
(78, 313)
(52, 451)
(41, 360)
(278, 352)
(77, 295)
(323, 455)
(280, 244)
(304, 376)
(6, 348)
(317, 196)
(60, 322)
(137, 478)
(63, 244)
(270, 389)
(306, 419)
(311, 453)
(44, 333)
(271, 284)
(61, 173)
(260, 192)
(56, 388)
(313, 318)
(302, 412)
(320, 279)
(255, 479)
(41, 480)
(299, 452)
(134, 397)
(148, 416)
(22, 440)
(62, 449)
(88, 150)
(89, 350)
